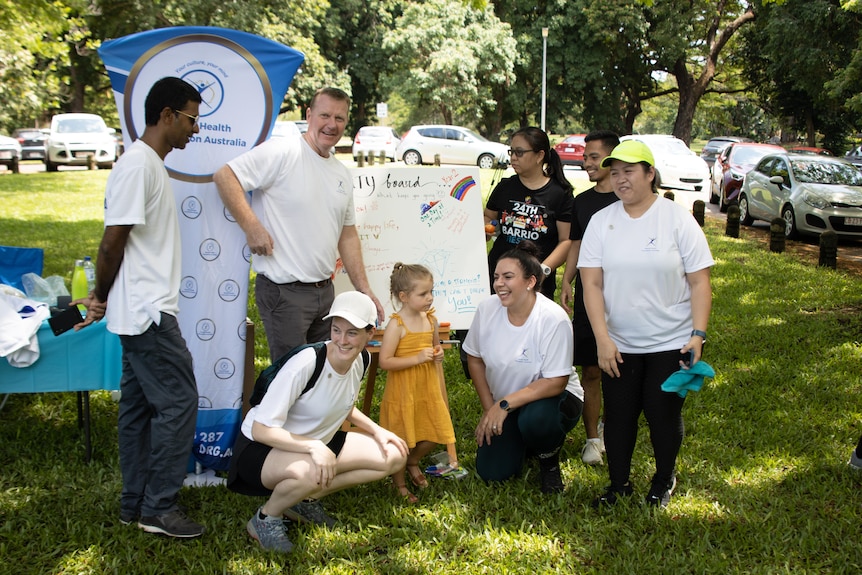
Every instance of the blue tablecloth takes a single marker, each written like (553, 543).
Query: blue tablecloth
(74, 361)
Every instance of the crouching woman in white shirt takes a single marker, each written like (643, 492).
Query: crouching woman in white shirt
(519, 353)
(292, 447)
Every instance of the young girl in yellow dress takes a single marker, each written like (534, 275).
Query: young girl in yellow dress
(414, 404)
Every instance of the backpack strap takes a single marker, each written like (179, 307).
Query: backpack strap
(320, 349)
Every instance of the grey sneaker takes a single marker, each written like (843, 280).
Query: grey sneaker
(269, 532)
(310, 512)
(855, 461)
(173, 524)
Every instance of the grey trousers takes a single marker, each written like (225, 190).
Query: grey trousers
(157, 416)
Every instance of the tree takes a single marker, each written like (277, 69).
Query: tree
(790, 77)
(450, 61)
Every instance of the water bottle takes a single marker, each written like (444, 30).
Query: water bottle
(79, 284)
(90, 271)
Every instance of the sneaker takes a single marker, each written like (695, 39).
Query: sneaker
(855, 461)
(612, 495)
(310, 512)
(660, 492)
(269, 532)
(601, 430)
(551, 479)
(127, 517)
(591, 454)
(173, 524)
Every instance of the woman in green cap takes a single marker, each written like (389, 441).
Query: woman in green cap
(645, 265)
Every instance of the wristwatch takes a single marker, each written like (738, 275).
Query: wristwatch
(546, 270)
(700, 333)
(504, 405)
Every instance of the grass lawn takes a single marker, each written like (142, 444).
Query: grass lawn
(763, 482)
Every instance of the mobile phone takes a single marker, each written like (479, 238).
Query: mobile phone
(688, 358)
(65, 320)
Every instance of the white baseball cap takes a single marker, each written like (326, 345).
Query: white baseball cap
(355, 307)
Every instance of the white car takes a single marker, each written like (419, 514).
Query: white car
(285, 129)
(10, 153)
(453, 144)
(678, 167)
(74, 138)
(371, 140)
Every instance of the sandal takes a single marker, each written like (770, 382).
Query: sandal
(405, 494)
(417, 477)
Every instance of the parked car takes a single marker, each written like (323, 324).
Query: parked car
(284, 128)
(730, 167)
(571, 150)
(10, 153)
(32, 142)
(809, 150)
(454, 145)
(302, 125)
(715, 145)
(677, 166)
(812, 193)
(76, 137)
(375, 139)
(854, 156)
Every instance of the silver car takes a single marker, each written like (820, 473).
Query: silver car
(76, 138)
(10, 153)
(453, 144)
(812, 193)
(371, 140)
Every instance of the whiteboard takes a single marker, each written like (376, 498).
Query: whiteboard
(429, 216)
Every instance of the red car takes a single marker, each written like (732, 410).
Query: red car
(571, 150)
(730, 168)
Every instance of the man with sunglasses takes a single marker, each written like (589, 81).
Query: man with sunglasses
(138, 274)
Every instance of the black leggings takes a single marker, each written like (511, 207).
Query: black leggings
(638, 389)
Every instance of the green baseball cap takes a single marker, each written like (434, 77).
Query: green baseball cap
(630, 152)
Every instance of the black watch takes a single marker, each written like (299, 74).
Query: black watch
(702, 334)
(504, 405)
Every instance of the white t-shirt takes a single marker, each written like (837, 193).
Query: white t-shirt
(303, 200)
(138, 193)
(644, 261)
(319, 412)
(516, 356)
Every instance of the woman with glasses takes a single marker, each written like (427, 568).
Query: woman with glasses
(535, 204)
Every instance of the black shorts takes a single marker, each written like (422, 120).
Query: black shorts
(246, 463)
(585, 342)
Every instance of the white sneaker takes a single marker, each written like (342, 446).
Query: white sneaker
(592, 452)
(601, 430)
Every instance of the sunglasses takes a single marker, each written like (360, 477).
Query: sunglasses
(194, 119)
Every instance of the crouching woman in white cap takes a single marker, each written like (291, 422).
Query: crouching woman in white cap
(292, 447)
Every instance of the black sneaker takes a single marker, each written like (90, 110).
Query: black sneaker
(551, 479)
(612, 495)
(660, 492)
(173, 524)
(310, 512)
(127, 516)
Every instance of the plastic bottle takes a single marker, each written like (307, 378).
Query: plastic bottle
(90, 271)
(79, 284)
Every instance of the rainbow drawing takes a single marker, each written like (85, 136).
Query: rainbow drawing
(461, 188)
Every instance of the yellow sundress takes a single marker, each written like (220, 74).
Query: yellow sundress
(412, 406)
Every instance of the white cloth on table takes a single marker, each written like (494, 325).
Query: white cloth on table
(20, 319)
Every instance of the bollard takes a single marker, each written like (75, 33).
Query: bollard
(382, 158)
(91, 161)
(669, 195)
(436, 159)
(828, 250)
(731, 229)
(360, 161)
(777, 238)
(370, 158)
(697, 209)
